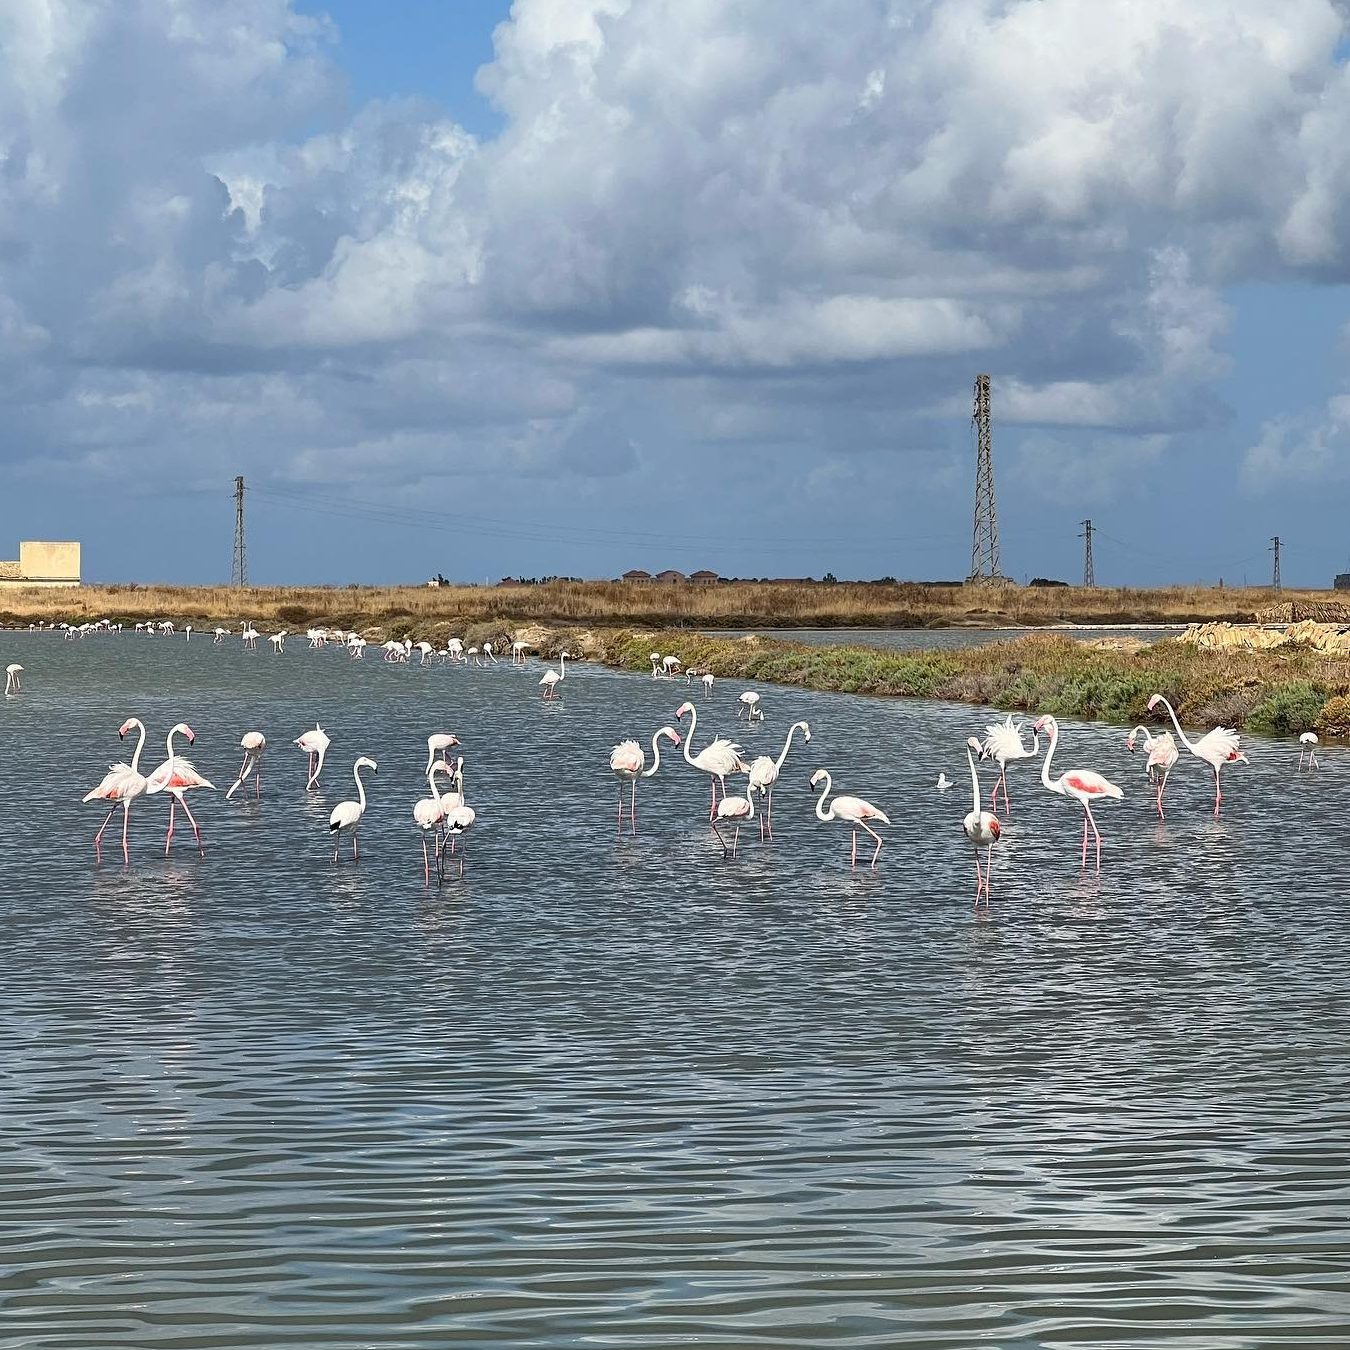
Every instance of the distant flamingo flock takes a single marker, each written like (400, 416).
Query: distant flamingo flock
(444, 818)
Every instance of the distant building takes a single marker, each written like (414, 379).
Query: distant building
(43, 562)
(670, 575)
(1342, 582)
(704, 577)
(636, 574)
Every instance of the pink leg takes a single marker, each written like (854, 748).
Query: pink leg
(720, 840)
(98, 838)
(1083, 861)
(1088, 817)
(168, 838)
(979, 879)
(768, 810)
(126, 815)
(200, 847)
(620, 808)
(356, 851)
(632, 810)
(426, 861)
(988, 872)
(853, 861)
(736, 841)
(877, 852)
(1218, 795)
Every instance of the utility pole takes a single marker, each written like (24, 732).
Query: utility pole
(1089, 575)
(984, 545)
(1275, 546)
(239, 574)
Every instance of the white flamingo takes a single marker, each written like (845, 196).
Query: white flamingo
(1002, 744)
(981, 827)
(628, 761)
(346, 816)
(121, 785)
(1083, 785)
(253, 743)
(553, 678)
(750, 706)
(12, 683)
(853, 811)
(718, 759)
(438, 744)
(764, 774)
(1218, 747)
(735, 809)
(1160, 761)
(1308, 746)
(429, 813)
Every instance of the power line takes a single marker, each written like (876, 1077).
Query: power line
(239, 572)
(1089, 573)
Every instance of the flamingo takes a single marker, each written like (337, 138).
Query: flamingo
(764, 774)
(707, 678)
(553, 678)
(253, 743)
(852, 811)
(429, 814)
(488, 654)
(346, 816)
(734, 809)
(719, 759)
(1083, 785)
(1218, 747)
(1162, 758)
(629, 761)
(177, 776)
(220, 635)
(12, 685)
(425, 652)
(315, 744)
(1003, 742)
(518, 650)
(981, 827)
(656, 665)
(455, 797)
(250, 636)
(1308, 744)
(671, 665)
(458, 822)
(749, 702)
(122, 783)
(439, 743)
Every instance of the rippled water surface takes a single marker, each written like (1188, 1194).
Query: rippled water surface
(625, 1093)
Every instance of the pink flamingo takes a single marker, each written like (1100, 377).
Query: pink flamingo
(764, 774)
(122, 784)
(429, 813)
(1218, 747)
(852, 811)
(315, 744)
(253, 744)
(439, 743)
(177, 776)
(1081, 784)
(1003, 742)
(1161, 760)
(981, 827)
(734, 809)
(718, 759)
(628, 761)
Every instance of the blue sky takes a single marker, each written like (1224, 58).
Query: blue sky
(576, 285)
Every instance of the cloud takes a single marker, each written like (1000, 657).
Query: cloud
(1300, 450)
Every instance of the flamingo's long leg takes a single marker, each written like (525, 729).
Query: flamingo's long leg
(426, 861)
(632, 810)
(126, 816)
(168, 838)
(1088, 817)
(720, 840)
(98, 838)
(875, 836)
(853, 860)
(200, 846)
(1083, 860)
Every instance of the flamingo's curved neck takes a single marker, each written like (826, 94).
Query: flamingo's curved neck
(1035, 743)
(689, 739)
(1171, 712)
(1049, 755)
(360, 786)
(1134, 731)
(562, 665)
(974, 780)
(140, 745)
(656, 753)
(821, 812)
(169, 742)
(787, 744)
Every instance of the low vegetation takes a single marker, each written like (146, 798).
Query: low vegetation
(1276, 693)
(612, 604)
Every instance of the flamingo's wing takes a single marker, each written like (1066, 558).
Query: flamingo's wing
(626, 757)
(1003, 741)
(1091, 784)
(1220, 745)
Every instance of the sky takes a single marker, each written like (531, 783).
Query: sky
(572, 286)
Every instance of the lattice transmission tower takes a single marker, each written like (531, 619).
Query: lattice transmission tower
(239, 573)
(1089, 572)
(984, 547)
(1276, 544)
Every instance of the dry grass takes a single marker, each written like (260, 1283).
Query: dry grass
(743, 605)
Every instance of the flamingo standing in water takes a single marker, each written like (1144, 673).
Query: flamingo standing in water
(12, 673)
(734, 809)
(429, 814)
(718, 759)
(1218, 747)
(346, 816)
(749, 702)
(177, 776)
(439, 743)
(1308, 746)
(981, 827)
(553, 678)
(852, 811)
(253, 743)
(1161, 760)
(1083, 785)
(629, 762)
(764, 774)
(315, 744)
(1003, 743)
(121, 785)
(458, 822)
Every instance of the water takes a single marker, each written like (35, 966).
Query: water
(626, 1094)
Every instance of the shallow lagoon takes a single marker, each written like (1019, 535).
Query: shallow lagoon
(624, 1093)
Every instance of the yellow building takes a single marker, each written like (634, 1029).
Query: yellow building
(43, 562)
